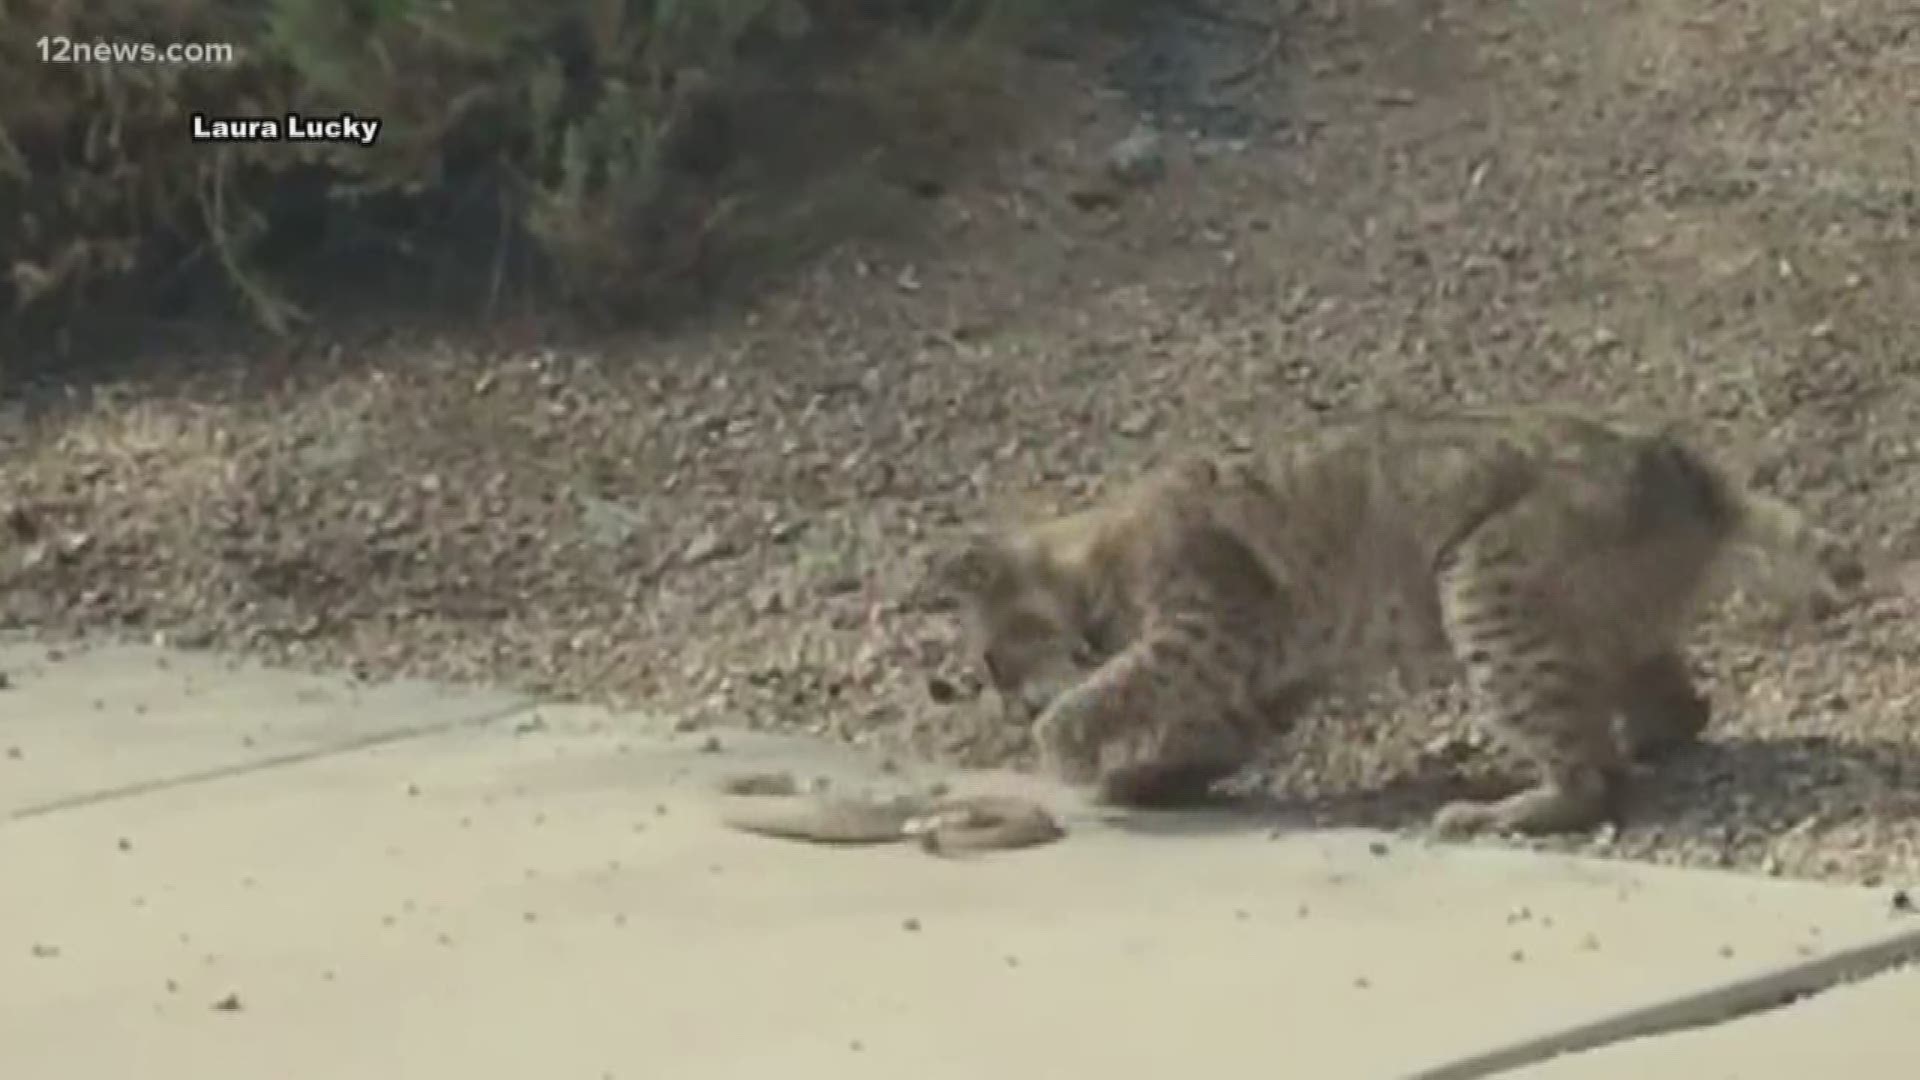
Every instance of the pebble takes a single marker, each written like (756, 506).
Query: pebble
(1139, 158)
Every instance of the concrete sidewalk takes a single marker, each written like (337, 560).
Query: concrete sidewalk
(215, 871)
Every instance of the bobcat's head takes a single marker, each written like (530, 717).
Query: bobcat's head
(1026, 619)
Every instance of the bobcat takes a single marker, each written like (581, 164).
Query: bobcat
(1555, 559)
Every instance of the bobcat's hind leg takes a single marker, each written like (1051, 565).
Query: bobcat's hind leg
(1660, 708)
(1533, 690)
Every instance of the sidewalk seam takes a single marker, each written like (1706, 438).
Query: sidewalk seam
(1759, 993)
(256, 765)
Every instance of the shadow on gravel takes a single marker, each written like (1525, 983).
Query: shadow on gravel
(1777, 785)
(1811, 784)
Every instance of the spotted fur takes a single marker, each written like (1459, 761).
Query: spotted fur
(1552, 560)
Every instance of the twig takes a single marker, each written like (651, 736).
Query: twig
(1212, 14)
(1260, 60)
(501, 244)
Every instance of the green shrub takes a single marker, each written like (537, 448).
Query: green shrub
(598, 134)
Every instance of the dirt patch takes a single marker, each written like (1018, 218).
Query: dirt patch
(1706, 212)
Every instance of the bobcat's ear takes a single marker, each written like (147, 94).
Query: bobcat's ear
(1194, 472)
(971, 569)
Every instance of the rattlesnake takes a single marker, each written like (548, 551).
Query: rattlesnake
(775, 805)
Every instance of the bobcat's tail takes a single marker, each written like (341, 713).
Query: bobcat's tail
(1797, 559)
(1798, 555)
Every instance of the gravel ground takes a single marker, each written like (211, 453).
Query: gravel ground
(1703, 210)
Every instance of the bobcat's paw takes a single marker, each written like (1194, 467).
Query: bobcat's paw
(1066, 749)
